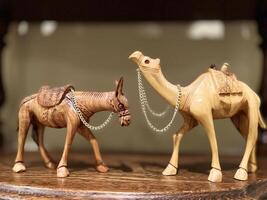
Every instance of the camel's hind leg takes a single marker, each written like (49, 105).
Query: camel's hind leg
(24, 124)
(241, 173)
(241, 122)
(38, 137)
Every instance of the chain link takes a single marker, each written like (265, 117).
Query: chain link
(145, 105)
(79, 112)
(145, 100)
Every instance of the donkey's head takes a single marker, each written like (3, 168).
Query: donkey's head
(120, 104)
(145, 63)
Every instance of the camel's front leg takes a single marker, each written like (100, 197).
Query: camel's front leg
(172, 167)
(62, 170)
(204, 116)
(88, 135)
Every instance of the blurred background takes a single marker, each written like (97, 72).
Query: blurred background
(91, 55)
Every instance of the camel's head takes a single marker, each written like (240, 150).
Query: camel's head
(145, 63)
(120, 105)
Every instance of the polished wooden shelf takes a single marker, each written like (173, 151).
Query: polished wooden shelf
(132, 176)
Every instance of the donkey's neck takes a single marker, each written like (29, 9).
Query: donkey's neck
(92, 102)
(158, 81)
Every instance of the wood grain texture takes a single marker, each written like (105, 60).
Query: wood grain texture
(61, 107)
(215, 94)
(130, 177)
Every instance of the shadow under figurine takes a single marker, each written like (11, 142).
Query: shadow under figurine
(215, 94)
(63, 107)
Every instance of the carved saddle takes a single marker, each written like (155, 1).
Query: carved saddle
(225, 81)
(51, 96)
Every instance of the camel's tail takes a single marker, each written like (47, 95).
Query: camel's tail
(261, 122)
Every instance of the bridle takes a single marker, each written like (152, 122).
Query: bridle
(121, 110)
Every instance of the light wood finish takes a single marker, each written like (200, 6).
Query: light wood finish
(63, 115)
(131, 176)
(201, 103)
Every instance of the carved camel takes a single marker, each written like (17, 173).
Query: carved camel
(63, 115)
(200, 104)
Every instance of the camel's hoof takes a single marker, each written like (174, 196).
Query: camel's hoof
(215, 175)
(51, 165)
(62, 172)
(252, 167)
(102, 168)
(170, 170)
(241, 174)
(19, 167)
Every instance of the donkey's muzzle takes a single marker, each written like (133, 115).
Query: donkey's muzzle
(125, 118)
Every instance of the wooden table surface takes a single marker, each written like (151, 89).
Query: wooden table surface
(131, 176)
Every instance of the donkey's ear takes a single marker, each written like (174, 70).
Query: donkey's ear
(119, 85)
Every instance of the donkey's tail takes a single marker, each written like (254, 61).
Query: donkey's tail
(261, 121)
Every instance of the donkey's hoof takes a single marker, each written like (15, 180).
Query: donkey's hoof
(19, 167)
(170, 170)
(62, 172)
(252, 167)
(215, 175)
(241, 174)
(51, 165)
(102, 168)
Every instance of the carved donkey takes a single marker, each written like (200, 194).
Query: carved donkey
(57, 111)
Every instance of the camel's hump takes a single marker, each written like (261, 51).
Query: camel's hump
(225, 68)
(225, 81)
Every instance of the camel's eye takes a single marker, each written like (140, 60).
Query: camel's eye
(147, 61)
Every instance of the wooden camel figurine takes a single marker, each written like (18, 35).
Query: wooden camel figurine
(57, 108)
(215, 94)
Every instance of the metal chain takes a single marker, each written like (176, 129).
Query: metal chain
(163, 113)
(143, 101)
(78, 111)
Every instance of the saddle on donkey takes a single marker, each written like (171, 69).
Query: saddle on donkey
(51, 96)
(225, 82)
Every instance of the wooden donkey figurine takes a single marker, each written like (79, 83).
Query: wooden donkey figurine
(213, 95)
(63, 107)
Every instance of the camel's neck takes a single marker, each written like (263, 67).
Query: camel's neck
(161, 85)
(92, 102)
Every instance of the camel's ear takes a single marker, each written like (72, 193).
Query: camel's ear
(119, 85)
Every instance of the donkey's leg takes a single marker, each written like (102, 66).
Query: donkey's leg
(241, 122)
(87, 134)
(62, 170)
(38, 137)
(24, 124)
(241, 173)
(172, 167)
(203, 114)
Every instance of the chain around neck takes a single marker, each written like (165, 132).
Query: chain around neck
(79, 113)
(145, 105)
